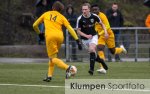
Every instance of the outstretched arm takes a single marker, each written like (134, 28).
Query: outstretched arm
(74, 35)
(36, 24)
(83, 34)
(105, 31)
(72, 32)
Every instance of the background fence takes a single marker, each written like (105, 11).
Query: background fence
(135, 39)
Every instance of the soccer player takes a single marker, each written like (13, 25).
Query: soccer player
(53, 21)
(86, 29)
(102, 41)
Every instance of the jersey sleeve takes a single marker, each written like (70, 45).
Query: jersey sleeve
(37, 22)
(78, 24)
(70, 29)
(72, 32)
(105, 20)
(97, 19)
(65, 21)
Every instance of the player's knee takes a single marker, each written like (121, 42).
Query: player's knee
(112, 50)
(100, 48)
(91, 50)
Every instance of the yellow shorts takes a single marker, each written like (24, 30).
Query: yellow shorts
(53, 44)
(110, 42)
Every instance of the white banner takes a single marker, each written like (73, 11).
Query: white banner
(107, 86)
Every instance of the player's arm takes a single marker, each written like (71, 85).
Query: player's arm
(105, 22)
(36, 24)
(74, 35)
(72, 32)
(105, 31)
(70, 29)
(78, 26)
(103, 26)
(82, 34)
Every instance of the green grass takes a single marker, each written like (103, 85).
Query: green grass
(32, 74)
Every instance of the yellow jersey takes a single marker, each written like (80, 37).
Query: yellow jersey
(105, 21)
(53, 22)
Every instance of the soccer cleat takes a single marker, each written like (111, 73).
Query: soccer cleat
(101, 70)
(68, 74)
(90, 72)
(124, 50)
(47, 79)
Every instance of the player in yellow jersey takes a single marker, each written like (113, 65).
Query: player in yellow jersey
(53, 21)
(102, 41)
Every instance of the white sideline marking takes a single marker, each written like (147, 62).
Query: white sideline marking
(21, 85)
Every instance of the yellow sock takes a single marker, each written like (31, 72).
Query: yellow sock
(101, 55)
(118, 50)
(60, 63)
(50, 69)
(100, 65)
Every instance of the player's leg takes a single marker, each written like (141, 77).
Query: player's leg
(101, 59)
(50, 69)
(60, 63)
(118, 50)
(90, 47)
(100, 48)
(52, 63)
(63, 66)
(53, 46)
(115, 50)
(52, 50)
(92, 51)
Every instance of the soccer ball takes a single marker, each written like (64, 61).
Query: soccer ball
(73, 70)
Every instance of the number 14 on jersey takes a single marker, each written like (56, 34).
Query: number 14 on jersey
(53, 18)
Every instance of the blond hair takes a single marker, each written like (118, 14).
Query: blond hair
(87, 4)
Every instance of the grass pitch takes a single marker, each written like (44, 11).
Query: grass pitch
(27, 78)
